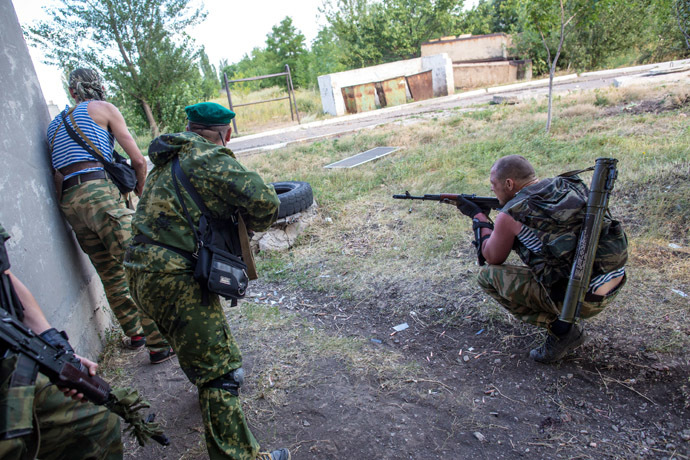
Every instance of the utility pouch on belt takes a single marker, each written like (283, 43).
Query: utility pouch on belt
(219, 269)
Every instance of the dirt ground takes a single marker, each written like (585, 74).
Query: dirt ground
(329, 377)
(471, 391)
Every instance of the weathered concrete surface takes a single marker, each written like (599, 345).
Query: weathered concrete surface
(284, 232)
(470, 47)
(489, 73)
(43, 252)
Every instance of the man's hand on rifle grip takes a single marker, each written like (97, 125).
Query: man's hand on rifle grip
(469, 208)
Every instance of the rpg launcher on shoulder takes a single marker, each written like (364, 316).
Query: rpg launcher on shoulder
(484, 202)
(65, 370)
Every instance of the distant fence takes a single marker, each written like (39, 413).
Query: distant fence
(290, 93)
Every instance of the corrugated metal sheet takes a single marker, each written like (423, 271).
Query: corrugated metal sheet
(360, 98)
(363, 157)
(421, 85)
(394, 92)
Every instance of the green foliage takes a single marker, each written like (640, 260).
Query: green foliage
(376, 32)
(210, 83)
(139, 46)
(285, 45)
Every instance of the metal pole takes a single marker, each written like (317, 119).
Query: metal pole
(292, 91)
(287, 83)
(227, 91)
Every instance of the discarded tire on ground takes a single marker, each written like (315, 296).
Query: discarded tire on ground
(294, 197)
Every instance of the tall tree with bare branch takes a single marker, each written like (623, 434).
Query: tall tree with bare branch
(139, 45)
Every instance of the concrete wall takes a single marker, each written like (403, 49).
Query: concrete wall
(43, 252)
(331, 85)
(491, 73)
(470, 48)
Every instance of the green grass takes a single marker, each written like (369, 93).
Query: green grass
(371, 241)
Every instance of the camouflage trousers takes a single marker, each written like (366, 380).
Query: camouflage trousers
(69, 430)
(102, 223)
(206, 350)
(526, 298)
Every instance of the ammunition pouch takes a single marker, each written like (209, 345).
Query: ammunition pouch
(17, 389)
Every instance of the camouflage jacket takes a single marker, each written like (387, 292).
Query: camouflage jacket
(555, 209)
(222, 182)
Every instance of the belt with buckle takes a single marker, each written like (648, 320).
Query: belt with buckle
(81, 178)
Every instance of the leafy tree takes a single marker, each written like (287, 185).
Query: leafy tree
(682, 10)
(210, 83)
(376, 32)
(553, 20)
(139, 46)
(286, 45)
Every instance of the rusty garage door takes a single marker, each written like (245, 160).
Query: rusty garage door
(421, 85)
(360, 98)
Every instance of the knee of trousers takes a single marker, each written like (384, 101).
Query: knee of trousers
(229, 382)
(485, 279)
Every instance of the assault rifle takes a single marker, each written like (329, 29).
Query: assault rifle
(65, 370)
(484, 202)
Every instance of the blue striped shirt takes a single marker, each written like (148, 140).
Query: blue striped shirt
(529, 239)
(66, 151)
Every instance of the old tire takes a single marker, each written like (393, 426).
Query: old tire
(294, 197)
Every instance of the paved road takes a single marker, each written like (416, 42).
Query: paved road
(414, 112)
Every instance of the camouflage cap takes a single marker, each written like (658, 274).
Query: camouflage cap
(209, 114)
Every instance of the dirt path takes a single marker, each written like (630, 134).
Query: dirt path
(430, 391)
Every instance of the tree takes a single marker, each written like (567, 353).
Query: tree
(682, 10)
(553, 20)
(210, 83)
(376, 32)
(139, 45)
(285, 45)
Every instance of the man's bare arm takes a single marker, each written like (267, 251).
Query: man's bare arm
(109, 117)
(497, 248)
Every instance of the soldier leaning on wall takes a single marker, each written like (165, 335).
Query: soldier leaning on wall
(93, 205)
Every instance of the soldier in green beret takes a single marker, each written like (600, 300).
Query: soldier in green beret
(161, 277)
(541, 221)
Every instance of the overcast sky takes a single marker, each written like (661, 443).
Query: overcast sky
(230, 30)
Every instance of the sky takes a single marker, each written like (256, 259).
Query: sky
(231, 30)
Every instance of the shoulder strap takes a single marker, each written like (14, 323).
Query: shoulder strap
(52, 142)
(177, 170)
(88, 141)
(187, 184)
(75, 137)
(576, 172)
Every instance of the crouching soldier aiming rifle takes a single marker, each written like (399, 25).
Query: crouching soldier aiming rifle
(36, 419)
(574, 251)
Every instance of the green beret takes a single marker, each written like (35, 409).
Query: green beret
(209, 114)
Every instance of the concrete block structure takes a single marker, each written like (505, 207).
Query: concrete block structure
(42, 249)
(331, 86)
(480, 60)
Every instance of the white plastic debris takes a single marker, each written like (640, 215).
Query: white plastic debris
(400, 327)
(679, 292)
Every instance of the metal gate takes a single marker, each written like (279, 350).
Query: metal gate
(290, 91)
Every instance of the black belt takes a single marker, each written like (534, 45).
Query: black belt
(81, 178)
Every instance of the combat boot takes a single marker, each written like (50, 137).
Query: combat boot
(555, 348)
(280, 454)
